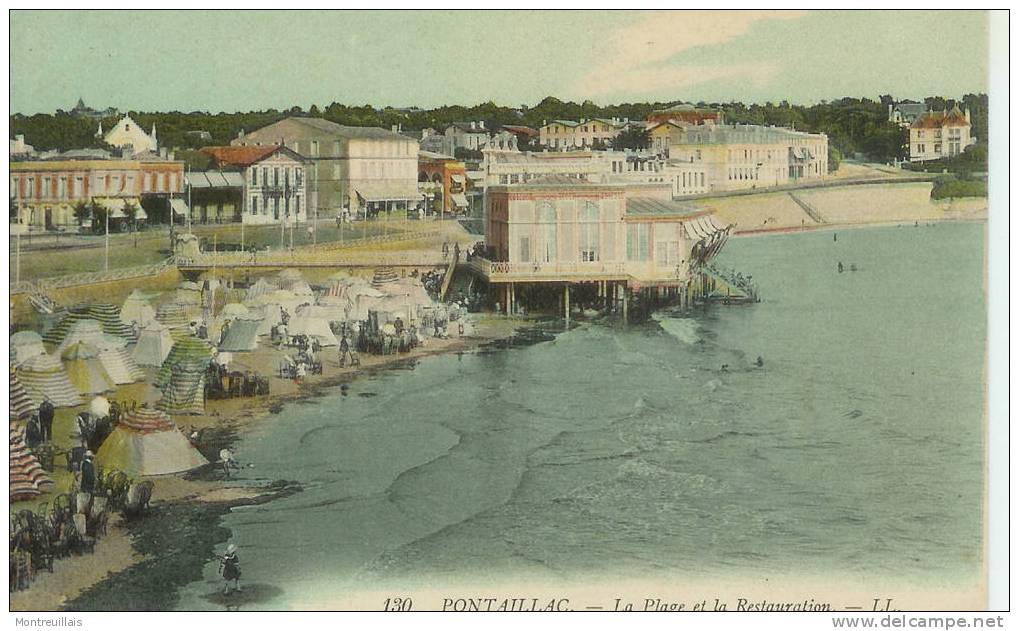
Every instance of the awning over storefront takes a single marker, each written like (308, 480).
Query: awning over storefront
(115, 206)
(179, 206)
(459, 200)
(215, 179)
(458, 178)
(387, 192)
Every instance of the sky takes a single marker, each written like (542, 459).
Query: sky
(240, 61)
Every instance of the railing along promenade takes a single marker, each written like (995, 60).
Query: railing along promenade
(50, 283)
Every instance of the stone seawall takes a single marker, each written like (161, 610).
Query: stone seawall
(858, 204)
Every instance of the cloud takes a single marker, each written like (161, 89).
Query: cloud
(639, 53)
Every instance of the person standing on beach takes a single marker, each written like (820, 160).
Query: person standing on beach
(87, 482)
(46, 412)
(344, 351)
(230, 569)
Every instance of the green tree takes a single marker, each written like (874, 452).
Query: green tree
(98, 213)
(82, 212)
(632, 138)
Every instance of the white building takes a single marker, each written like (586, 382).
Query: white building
(128, 134)
(275, 185)
(470, 135)
(936, 135)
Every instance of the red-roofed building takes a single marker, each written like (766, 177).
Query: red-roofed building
(275, 182)
(936, 135)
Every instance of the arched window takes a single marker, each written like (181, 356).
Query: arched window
(589, 232)
(548, 230)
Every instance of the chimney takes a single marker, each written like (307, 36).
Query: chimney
(21, 137)
(967, 118)
(393, 128)
(474, 125)
(240, 134)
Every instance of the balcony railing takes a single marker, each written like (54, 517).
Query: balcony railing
(594, 270)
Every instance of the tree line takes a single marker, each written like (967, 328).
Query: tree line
(853, 125)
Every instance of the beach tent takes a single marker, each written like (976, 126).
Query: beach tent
(21, 402)
(292, 281)
(91, 332)
(112, 352)
(184, 389)
(312, 327)
(146, 442)
(188, 349)
(120, 365)
(137, 309)
(329, 313)
(44, 377)
(258, 289)
(107, 315)
(25, 344)
(176, 318)
(270, 316)
(230, 312)
(86, 372)
(27, 477)
(242, 335)
(154, 344)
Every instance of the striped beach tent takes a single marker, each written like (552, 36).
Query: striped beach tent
(188, 349)
(44, 377)
(27, 477)
(154, 344)
(184, 391)
(25, 344)
(86, 372)
(90, 331)
(22, 405)
(146, 442)
(107, 315)
(176, 318)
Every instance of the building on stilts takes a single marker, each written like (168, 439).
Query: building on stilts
(559, 240)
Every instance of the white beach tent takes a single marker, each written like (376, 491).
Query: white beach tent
(138, 309)
(113, 355)
(312, 327)
(25, 344)
(146, 442)
(154, 344)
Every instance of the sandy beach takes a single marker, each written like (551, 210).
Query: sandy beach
(223, 421)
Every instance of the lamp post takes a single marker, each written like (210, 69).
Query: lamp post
(188, 217)
(107, 214)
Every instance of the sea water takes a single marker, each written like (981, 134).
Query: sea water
(626, 452)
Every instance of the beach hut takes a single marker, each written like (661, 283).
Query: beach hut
(242, 335)
(21, 402)
(44, 377)
(316, 328)
(146, 442)
(329, 313)
(27, 477)
(137, 308)
(25, 344)
(86, 372)
(107, 315)
(154, 344)
(230, 312)
(184, 389)
(188, 349)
